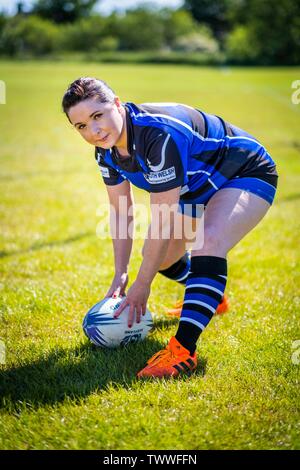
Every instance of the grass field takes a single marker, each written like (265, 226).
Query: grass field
(59, 392)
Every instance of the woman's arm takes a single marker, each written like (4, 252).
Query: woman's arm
(155, 249)
(121, 229)
(161, 229)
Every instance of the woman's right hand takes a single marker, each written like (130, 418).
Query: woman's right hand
(118, 286)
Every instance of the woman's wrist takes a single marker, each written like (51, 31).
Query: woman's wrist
(120, 272)
(144, 280)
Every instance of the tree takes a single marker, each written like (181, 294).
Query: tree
(28, 36)
(85, 34)
(63, 11)
(219, 15)
(3, 20)
(177, 23)
(141, 29)
(253, 31)
(268, 33)
(275, 26)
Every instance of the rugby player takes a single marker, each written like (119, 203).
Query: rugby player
(180, 155)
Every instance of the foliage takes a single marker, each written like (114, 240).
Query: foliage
(253, 31)
(260, 32)
(140, 29)
(198, 41)
(217, 14)
(2, 22)
(32, 35)
(177, 23)
(63, 11)
(240, 48)
(84, 35)
(274, 28)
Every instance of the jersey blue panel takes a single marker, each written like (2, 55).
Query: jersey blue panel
(174, 145)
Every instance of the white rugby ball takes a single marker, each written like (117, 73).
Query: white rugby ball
(102, 329)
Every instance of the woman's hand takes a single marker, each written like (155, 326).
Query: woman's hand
(137, 298)
(118, 286)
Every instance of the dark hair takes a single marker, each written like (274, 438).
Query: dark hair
(84, 88)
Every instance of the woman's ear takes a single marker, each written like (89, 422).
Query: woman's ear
(118, 103)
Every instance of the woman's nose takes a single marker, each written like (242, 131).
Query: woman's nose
(95, 129)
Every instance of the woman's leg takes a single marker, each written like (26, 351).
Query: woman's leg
(230, 214)
(177, 262)
(183, 238)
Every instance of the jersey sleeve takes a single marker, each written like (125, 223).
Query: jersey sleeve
(164, 160)
(110, 175)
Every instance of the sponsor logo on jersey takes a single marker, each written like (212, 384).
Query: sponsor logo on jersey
(156, 177)
(104, 171)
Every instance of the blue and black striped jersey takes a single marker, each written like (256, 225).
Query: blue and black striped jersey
(174, 145)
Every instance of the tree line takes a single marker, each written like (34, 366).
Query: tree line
(262, 32)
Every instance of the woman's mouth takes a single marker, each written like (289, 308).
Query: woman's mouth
(104, 139)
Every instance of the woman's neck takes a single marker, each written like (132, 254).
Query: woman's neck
(121, 145)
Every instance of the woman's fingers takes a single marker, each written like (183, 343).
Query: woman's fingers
(138, 314)
(116, 292)
(131, 315)
(120, 309)
(135, 312)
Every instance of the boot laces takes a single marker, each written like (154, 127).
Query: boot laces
(167, 355)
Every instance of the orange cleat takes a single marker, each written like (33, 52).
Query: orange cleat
(172, 361)
(176, 310)
(223, 307)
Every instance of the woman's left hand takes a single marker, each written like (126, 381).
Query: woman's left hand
(137, 297)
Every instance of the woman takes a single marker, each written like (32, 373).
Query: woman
(182, 157)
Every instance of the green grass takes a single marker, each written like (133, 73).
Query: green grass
(59, 392)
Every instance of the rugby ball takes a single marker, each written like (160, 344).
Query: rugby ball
(102, 329)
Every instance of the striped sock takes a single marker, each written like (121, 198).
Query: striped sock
(179, 271)
(204, 290)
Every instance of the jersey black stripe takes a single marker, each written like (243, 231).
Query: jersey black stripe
(190, 305)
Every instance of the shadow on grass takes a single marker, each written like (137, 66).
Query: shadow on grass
(40, 246)
(74, 374)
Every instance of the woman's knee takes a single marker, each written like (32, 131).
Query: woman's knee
(166, 263)
(212, 244)
(176, 250)
(169, 259)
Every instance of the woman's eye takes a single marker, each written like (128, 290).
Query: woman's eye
(81, 126)
(98, 115)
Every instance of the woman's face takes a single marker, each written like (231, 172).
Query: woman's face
(100, 124)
